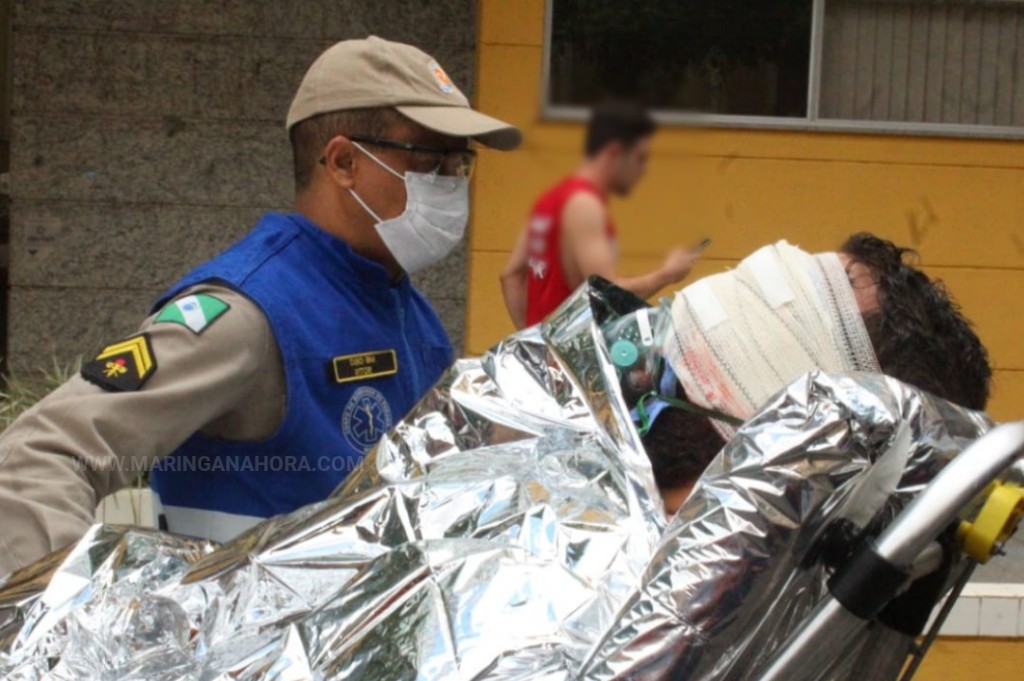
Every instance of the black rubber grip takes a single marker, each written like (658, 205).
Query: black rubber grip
(866, 583)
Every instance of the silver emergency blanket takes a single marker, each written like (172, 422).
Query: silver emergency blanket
(508, 528)
(746, 557)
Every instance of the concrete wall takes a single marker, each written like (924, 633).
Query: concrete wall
(149, 135)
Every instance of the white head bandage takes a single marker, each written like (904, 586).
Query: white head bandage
(741, 336)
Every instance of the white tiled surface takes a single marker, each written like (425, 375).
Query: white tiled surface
(994, 610)
(963, 619)
(999, 616)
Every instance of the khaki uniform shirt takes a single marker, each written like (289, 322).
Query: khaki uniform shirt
(81, 442)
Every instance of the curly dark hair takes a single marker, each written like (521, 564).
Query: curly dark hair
(919, 334)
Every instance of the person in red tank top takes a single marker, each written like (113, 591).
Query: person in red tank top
(570, 235)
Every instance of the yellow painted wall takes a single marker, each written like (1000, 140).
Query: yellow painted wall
(959, 202)
(967, 659)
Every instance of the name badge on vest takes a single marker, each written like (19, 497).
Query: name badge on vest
(363, 366)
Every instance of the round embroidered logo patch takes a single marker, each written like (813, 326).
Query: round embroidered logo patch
(366, 418)
(443, 81)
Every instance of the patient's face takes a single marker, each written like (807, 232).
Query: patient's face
(865, 288)
(673, 497)
(674, 490)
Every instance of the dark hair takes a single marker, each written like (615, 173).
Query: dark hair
(919, 334)
(309, 137)
(617, 121)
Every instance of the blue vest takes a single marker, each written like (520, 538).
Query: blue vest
(323, 302)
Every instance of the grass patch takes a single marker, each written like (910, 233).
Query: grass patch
(21, 392)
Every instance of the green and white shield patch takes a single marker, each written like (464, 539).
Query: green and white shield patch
(196, 312)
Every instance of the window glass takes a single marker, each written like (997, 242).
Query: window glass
(924, 61)
(881, 63)
(743, 57)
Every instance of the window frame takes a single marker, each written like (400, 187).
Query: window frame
(811, 123)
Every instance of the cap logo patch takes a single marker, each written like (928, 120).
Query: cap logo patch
(443, 81)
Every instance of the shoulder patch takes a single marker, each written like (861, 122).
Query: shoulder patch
(123, 366)
(196, 312)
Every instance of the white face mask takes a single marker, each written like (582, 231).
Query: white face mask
(434, 220)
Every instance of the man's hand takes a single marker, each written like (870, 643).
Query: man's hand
(674, 269)
(678, 264)
(584, 221)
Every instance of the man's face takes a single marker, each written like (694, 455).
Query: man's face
(382, 190)
(629, 166)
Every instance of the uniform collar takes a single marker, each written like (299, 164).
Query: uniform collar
(371, 273)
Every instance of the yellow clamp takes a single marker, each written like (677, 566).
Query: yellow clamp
(996, 521)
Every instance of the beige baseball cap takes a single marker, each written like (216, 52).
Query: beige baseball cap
(374, 72)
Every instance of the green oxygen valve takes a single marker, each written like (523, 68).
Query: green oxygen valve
(624, 353)
(634, 348)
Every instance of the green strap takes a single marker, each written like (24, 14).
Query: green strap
(645, 418)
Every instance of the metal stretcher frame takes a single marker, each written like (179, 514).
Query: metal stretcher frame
(895, 551)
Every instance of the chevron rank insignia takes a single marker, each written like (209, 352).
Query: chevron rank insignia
(196, 312)
(123, 366)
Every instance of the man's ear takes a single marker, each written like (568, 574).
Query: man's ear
(614, 150)
(340, 160)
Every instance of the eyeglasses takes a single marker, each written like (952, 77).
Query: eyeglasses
(453, 162)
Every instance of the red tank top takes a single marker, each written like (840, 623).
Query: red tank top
(546, 284)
